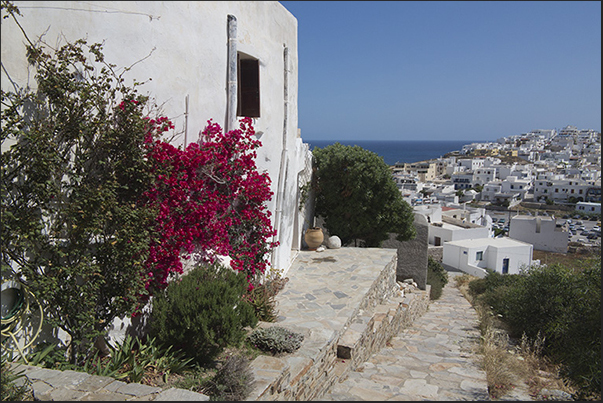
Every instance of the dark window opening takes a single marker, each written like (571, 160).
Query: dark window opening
(248, 96)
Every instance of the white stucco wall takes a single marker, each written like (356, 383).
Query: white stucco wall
(541, 232)
(184, 45)
(588, 207)
(462, 255)
(449, 232)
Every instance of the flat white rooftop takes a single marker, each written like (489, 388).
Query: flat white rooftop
(529, 217)
(484, 242)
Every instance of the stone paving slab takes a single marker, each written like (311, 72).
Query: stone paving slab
(174, 394)
(53, 385)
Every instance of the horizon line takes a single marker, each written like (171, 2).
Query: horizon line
(383, 140)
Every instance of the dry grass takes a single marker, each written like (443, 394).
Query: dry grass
(508, 363)
(566, 259)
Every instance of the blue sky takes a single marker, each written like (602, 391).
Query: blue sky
(430, 70)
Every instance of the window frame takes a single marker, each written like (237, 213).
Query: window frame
(248, 86)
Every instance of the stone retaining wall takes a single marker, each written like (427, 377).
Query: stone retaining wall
(436, 252)
(383, 312)
(412, 254)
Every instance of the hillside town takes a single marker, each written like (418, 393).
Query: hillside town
(492, 204)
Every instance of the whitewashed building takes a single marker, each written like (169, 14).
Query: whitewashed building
(513, 184)
(589, 207)
(471, 164)
(481, 176)
(542, 232)
(462, 180)
(448, 224)
(502, 170)
(219, 60)
(490, 190)
(450, 229)
(475, 256)
(201, 57)
(560, 190)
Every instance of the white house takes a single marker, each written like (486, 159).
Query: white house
(462, 180)
(560, 190)
(449, 230)
(513, 184)
(200, 56)
(471, 164)
(490, 190)
(481, 176)
(588, 207)
(451, 224)
(542, 232)
(474, 256)
(466, 214)
(502, 170)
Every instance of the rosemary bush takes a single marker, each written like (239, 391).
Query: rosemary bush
(276, 339)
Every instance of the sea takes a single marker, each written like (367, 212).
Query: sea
(393, 152)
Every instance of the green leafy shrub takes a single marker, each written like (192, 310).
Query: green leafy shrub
(276, 339)
(477, 287)
(203, 312)
(564, 306)
(437, 277)
(48, 355)
(131, 360)
(232, 382)
(263, 303)
(493, 281)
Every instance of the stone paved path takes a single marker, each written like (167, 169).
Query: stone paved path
(431, 360)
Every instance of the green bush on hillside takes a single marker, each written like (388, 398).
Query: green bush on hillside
(203, 312)
(564, 305)
(437, 278)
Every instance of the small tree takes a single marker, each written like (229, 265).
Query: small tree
(358, 197)
(72, 225)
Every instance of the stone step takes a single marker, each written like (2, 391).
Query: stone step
(290, 378)
(371, 331)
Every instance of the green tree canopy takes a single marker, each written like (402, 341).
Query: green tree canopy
(358, 197)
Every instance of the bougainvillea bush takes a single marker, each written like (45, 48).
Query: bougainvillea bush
(211, 201)
(97, 210)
